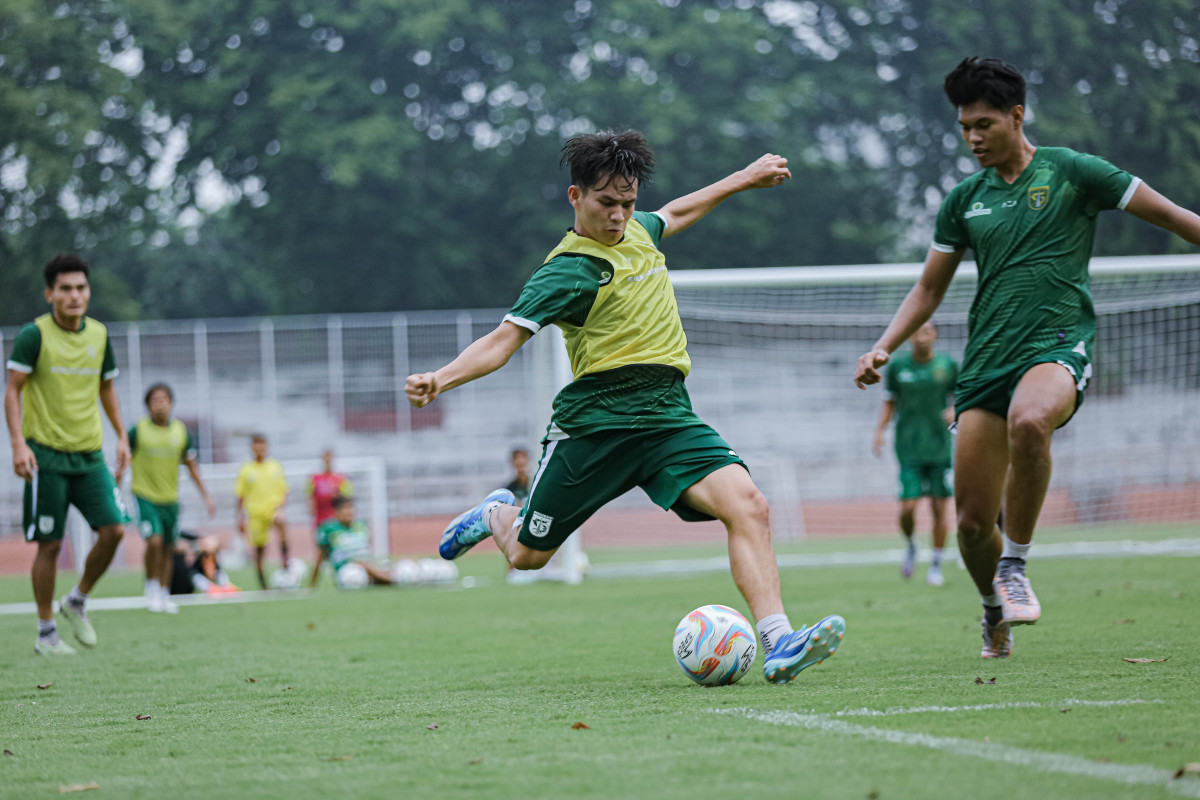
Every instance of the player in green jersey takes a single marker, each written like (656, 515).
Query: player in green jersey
(626, 419)
(159, 445)
(60, 365)
(343, 539)
(918, 385)
(1030, 216)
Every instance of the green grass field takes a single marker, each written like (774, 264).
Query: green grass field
(336, 695)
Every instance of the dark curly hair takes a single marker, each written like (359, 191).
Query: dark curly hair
(991, 80)
(596, 159)
(62, 264)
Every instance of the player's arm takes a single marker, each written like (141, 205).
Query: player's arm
(885, 416)
(193, 468)
(918, 306)
(1156, 209)
(112, 408)
(317, 568)
(24, 462)
(482, 357)
(683, 212)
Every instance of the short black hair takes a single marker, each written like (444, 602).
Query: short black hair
(339, 501)
(597, 158)
(62, 264)
(258, 437)
(159, 387)
(991, 80)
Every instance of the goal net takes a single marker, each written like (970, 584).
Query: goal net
(773, 354)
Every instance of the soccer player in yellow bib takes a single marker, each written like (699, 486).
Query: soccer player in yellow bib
(261, 490)
(160, 444)
(626, 419)
(59, 366)
(1029, 215)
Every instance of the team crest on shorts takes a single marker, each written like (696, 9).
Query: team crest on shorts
(45, 524)
(1039, 196)
(539, 524)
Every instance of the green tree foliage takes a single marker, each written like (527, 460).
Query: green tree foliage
(393, 154)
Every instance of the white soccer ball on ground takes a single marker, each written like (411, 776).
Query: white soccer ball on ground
(429, 570)
(405, 572)
(352, 576)
(447, 572)
(715, 645)
(286, 579)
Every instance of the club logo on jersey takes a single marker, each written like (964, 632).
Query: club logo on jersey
(605, 278)
(977, 210)
(539, 524)
(91, 351)
(1039, 196)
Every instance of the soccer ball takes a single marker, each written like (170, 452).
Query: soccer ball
(429, 570)
(405, 572)
(352, 576)
(287, 578)
(715, 645)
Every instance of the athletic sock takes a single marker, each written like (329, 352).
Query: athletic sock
(488, 510)
(151, 587)
(47, 630)
(937, 558)
(992, 610)
(771, 629)
(77, 598)
(1014, 550)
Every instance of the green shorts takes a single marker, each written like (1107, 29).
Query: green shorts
(926, 480)
(995, 394)
(158, 519)
(577, 476)
(50, 494)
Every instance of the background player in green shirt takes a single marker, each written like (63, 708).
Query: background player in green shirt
(918, 385)
(344, 539)
(1030, 216)
(59, 366)
(626, 419)
(159, 445)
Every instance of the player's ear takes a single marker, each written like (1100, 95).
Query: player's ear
(1018, 115)
(574, 195)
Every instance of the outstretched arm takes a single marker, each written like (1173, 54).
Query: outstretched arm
(683, 212)
(483, 356)
(918, 306)
(1153, 207)
(885, 416)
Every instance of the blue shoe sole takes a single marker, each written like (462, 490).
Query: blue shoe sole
(451, 547)
(823, 642)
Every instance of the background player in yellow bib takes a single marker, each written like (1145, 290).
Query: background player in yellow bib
(159, 445)
(261, 490)
(1030, 216)
(626, 419)
(59, 366)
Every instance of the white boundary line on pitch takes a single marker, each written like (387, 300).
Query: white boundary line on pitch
(1069, 702)
(1128, 774)
(1116, 549)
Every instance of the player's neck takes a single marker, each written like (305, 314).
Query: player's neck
(922, 357)
(1011, 168)
(162, 424)
(68, 324)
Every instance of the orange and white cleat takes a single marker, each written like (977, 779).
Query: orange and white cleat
(1021, 606)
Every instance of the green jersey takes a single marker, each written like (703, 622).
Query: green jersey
(343, 544)
(60, 414)
(616, 308)
(158, 450)
(1032, 241)
(918, 390)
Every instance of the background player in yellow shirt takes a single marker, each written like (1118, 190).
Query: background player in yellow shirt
(261, 490)
(159, 445)
(60, 365)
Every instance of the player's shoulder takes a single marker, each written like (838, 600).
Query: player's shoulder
(574, 266)
(966, 187)
(96, 325)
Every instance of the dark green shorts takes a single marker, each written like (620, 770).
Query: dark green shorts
(49, 494)
(926, 480)
(158, 519)
(577, 476)
(995, 395)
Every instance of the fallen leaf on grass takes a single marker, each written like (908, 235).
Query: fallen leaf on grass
(1144, 660)
(9, 753)
(980, 681)
(1179, 773)
(312, 626)
(1064, 710)
(251, 680)
(579, 726)
(475, 761)
(143, 716)
(82, 787)
(1125, 622)
(874, 795)
(340, 758)
(432, 727)
(45, 685)
(287, 688)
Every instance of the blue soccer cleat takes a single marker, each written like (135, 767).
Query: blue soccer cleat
(467, 529)
(801, 649)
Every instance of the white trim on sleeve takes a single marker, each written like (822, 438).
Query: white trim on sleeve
(664, 221)
(17, 366)
(112, 373)
(527, 324)
(1125, 198)
(944, 248)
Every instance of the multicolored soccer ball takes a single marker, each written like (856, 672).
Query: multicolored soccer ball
(715, 645)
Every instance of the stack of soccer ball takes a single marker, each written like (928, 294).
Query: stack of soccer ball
(425, 572)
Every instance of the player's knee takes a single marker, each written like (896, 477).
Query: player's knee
(1028, 433)
(973, 529)
(50, 549)
(526, 558)
(110, 534)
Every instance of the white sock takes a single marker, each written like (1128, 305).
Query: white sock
(151, 587)
(1014, 550)
(937, 557)
(771, 629)
(47, 630)
(488, 510)
(77, 597)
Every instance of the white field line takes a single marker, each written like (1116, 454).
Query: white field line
(1068, 703)
(1116, 549)
(1128, 774)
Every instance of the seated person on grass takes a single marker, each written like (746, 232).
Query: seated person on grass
(343, 540)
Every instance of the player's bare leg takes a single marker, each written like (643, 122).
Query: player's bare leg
(44, 572)
(937, 509)
(378, 576)
(908, 525)
(505, 533)
(259, 555)
(281, 529)
(100, 556)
